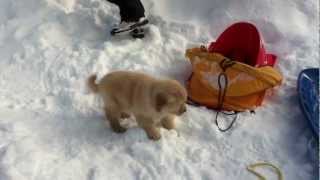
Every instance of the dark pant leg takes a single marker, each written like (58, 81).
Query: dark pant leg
(130, 10)
(135, 10)
(116, 2)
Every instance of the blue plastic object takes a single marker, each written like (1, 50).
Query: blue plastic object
(308, 91)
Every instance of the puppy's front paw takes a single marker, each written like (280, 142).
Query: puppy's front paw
(168, 122)
(153, 133)
(155, 136)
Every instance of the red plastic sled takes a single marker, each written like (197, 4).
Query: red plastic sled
(242, 42)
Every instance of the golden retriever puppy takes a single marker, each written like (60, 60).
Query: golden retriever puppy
(153, 102)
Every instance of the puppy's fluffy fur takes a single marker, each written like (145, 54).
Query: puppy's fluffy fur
(153, 102)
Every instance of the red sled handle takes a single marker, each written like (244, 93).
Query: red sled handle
(270, 60)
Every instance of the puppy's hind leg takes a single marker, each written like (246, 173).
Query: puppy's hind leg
(113, 115)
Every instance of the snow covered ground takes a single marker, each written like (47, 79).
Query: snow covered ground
(52, 128)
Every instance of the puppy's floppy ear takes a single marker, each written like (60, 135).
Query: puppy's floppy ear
(161, 100)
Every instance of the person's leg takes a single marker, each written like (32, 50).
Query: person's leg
(133, 11)
(117, 2)
(130, 10)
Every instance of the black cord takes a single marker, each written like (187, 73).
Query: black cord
(230, 125)
(224, 64)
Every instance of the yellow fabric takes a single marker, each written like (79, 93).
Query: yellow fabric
(246, 84)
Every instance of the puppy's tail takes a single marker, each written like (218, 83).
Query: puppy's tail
(92, 84)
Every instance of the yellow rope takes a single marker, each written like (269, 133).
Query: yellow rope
(252, 167)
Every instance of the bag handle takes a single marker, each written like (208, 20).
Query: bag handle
(230, 125)
(224, 64)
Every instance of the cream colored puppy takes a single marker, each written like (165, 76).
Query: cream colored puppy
(153, 102)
